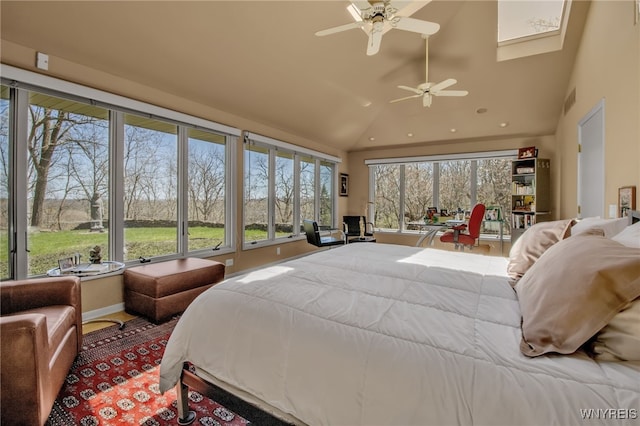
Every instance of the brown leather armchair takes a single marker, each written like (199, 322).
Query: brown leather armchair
(41, 334)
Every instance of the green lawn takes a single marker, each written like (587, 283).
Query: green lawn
(47, 247)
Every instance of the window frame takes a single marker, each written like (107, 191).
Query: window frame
(435, 160)
(273, 147)
(22, 82)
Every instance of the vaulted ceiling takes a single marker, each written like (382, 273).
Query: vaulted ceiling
(261, 60)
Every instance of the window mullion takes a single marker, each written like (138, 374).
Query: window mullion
(296, 192)
(116, 183)
(271, 215)
(19, 133)
(474, 182)
(402, 226)
(436, 184)
(183, 191)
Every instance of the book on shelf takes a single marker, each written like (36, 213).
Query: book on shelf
(523, 219)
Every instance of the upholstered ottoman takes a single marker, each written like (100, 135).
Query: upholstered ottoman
(163, 289)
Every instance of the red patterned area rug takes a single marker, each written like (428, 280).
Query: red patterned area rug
(114, 381)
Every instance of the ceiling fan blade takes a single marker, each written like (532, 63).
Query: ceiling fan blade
(405, 98)
(443, 85)
(451, 93)
(411, 89)
(415, 25)
(426, 100)
(375, 38)
(340, 28)
(362, 5)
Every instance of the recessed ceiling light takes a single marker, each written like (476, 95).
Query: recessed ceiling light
(481, 110)
(372, 138)
(504, 124)
(453, 130)
(410, 134)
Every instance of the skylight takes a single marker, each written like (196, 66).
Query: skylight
(531, 27)
(525, 18)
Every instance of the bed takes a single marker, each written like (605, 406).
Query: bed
(378, 334)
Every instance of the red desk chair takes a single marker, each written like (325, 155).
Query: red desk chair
(469, 238)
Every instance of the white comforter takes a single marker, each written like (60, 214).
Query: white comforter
(376, 334)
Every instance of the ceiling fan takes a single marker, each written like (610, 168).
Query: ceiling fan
(373, 19)
(428, 89)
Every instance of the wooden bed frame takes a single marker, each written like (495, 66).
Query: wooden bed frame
(189, 380)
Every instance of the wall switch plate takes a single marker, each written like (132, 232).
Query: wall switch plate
(278, 250)
(229, 262)
(42, 61)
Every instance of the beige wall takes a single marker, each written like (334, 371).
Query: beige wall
(607, 67)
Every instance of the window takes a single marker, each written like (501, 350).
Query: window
(307, 189)
(68, 180)
(283, 185)
(388, 209)
(256, 193)
(418, 194)
(284, 194)
(523, 18)
(531, 27)
(150, 188)
(405, 189)
(206, 188)
(455, 185)
(327, 173)
(5, 114)
(77, 172)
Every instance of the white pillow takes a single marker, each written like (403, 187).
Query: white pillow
(610, 227)
(629, 236)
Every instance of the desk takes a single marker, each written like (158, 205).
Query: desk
(430, 230)
(109, 267)
(362, 240)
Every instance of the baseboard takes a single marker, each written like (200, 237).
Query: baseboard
(107, 310)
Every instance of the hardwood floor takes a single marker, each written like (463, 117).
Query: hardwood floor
(93, 326)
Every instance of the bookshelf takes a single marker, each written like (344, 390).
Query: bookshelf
(530, 198)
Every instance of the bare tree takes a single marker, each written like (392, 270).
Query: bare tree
(206, 183)
(48, 131)
(141, 168)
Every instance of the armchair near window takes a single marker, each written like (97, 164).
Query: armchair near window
(41, 334)
(462, 239)
(351, 226)
(314, 237)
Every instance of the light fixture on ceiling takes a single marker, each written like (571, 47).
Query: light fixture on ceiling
(410, 134)
(371, 138)
(453, 130)
(481, 110)
(504, 124)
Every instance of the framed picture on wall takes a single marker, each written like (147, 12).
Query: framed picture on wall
(626, 200)
(344, 184)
